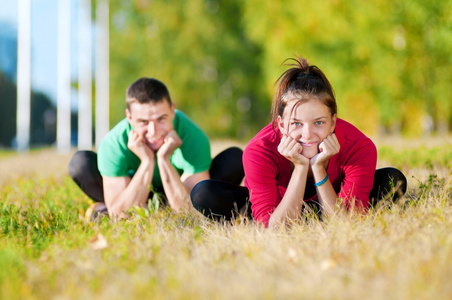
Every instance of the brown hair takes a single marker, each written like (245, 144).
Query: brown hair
(302, 81)
(146, 90)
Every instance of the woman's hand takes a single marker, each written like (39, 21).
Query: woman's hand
(291, 149)
(327, 149)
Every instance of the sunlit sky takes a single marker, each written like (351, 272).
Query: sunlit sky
(43, 40)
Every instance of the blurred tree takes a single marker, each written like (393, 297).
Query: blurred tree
(43, 119)
(197, 48)
(8, 92)
(428, 69)
(389, 61)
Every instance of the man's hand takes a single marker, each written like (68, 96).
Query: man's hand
(291, 149)
(138, 145)
(327, 149)
(171, 142)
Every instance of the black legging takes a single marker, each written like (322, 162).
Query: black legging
(226, 166)
(223, 200)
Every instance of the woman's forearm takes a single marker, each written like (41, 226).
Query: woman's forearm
(325, 192)
(290, 206)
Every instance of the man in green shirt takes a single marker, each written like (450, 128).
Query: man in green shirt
(155, 146)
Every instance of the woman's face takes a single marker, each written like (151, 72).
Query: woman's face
(310, 122)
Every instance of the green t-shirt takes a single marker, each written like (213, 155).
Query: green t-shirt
(193, 156)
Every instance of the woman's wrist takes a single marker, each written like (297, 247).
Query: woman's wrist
(301, 168)
(318, 170)
(321, 182)
(319, 173)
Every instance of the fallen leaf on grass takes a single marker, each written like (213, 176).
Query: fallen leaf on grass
(292, 255)
(98, 242)
(327, 264)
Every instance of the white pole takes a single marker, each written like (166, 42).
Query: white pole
(64, 77)
(84, 76)
(23, 75)
(102, 70)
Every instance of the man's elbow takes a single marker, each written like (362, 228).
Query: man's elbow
(115, 212)
(181, 204)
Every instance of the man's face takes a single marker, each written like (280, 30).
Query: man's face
(152, 120)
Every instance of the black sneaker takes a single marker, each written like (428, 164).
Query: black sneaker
(96, 211)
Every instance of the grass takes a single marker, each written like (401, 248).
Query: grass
(6, 153)
(402, 251)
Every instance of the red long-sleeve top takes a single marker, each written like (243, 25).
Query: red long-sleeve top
(267, 173)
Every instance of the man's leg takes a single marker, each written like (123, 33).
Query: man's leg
(219, 199)
(228, 166)
(222, 197)
(83, 170)
(388, 182)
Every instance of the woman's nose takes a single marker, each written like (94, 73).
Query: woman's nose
(307, 131)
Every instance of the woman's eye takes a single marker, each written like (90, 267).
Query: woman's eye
(296, 124)
(319, 123)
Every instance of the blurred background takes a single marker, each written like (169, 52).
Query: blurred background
(389, 61)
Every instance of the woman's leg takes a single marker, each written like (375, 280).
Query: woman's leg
(83, 170)
(219, 199)
(388, 183)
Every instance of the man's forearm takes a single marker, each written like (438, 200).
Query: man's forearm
(137, 192)
(177, 194)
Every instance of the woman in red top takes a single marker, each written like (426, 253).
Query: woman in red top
(306, 154)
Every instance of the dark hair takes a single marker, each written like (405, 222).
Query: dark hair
(304, 81)
(146, 90)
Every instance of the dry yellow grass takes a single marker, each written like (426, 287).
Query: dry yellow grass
(402, 252)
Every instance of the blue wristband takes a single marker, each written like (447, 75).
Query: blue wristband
(323, 181)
